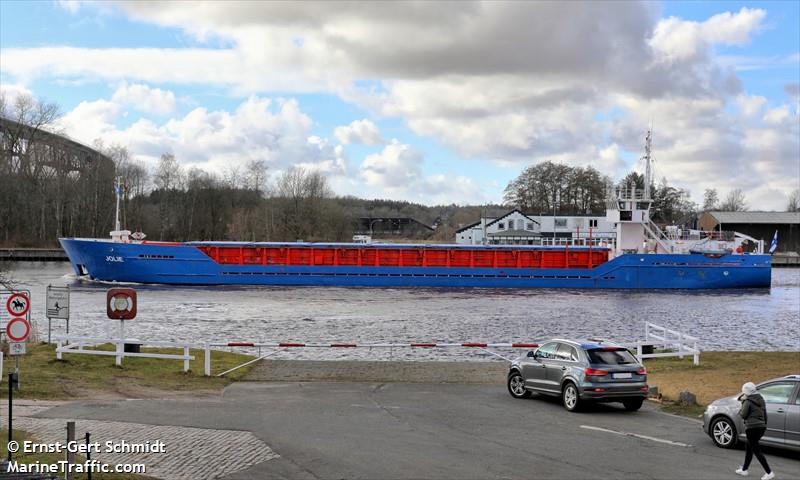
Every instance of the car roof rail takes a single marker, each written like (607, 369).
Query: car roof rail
(795, 376)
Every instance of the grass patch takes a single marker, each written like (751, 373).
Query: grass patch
(720, 374)
(51, 458)
(42, 377)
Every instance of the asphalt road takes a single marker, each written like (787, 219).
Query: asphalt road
(440, 431)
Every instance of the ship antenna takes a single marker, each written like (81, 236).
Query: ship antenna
(647, 160)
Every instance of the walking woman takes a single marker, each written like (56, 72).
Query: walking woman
(754, 414)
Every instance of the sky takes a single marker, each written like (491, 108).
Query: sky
(433, 102)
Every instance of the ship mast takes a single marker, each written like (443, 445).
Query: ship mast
(647, 159)
(118, 193)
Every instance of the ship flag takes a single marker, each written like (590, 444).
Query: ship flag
(774, 245)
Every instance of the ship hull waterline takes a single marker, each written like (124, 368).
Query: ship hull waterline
(185, 264)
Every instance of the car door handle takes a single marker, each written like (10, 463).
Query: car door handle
(563, 368)
(780, 410)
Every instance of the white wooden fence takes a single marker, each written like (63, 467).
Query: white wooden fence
(84, 346)
(676, 342)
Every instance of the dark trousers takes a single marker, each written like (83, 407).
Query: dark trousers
(753, 436)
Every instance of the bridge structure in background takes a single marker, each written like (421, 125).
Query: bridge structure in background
(25, 146)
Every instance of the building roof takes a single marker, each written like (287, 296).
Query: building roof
(514, 233)
(757, 217)
(473, 225)
(510, 213)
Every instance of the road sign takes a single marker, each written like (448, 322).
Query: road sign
(18, 329)
(16, 348)
(57, 302)
(18, 304)
(121, 303)
(5, 297)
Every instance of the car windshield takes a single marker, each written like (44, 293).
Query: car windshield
(611, 356)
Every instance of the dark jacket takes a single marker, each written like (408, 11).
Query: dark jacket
(753, 411)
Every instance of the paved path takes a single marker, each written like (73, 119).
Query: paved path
(431, 431)
(378, 372)
(191, 453)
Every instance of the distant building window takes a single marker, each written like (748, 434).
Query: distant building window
(501, 226)
(561, 222)
(529, 226)
(593, 223)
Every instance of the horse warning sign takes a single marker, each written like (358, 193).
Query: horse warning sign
(18, 304)
(14, 304)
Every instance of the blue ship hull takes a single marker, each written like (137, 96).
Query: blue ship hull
(184, 264)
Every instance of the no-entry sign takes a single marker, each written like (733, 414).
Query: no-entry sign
(18, 329)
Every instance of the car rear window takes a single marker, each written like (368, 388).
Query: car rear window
(609, 356)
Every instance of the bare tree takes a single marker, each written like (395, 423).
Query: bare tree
(734, 202)
(168, 174)
(168, 178)
(255, 176)
(710, 200)
(794, 201)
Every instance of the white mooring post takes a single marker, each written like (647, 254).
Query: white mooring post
(207, 360)
(121, 343)
(186, 358)
(680, 344)
(58, 350)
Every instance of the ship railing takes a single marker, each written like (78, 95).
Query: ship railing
(88, 345)
(671, 343)
(659, 236)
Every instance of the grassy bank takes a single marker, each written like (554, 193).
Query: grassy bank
(42, 377)
(719, 374)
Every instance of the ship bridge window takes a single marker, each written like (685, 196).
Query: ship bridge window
(501, 226)
(593, 223)
(529, 226)
(561, 222)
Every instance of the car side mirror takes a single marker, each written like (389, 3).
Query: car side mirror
(532, 353)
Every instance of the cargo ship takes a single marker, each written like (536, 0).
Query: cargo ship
(642, 256)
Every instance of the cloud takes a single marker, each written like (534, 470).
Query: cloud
(276, 131)
(396, 171)
(359, 131)
(145, 99)
(676, 40)
(72, 6)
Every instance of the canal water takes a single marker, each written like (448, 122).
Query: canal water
(722, 320)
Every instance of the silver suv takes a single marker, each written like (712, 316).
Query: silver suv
(593, 370)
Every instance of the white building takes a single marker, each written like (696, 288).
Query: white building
(518, 228)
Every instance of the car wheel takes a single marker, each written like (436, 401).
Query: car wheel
(516, 386)
(723, 433)
(633, 405)
(570, 397)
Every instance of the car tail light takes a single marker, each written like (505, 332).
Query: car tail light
(593, 372)
(641, 371)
